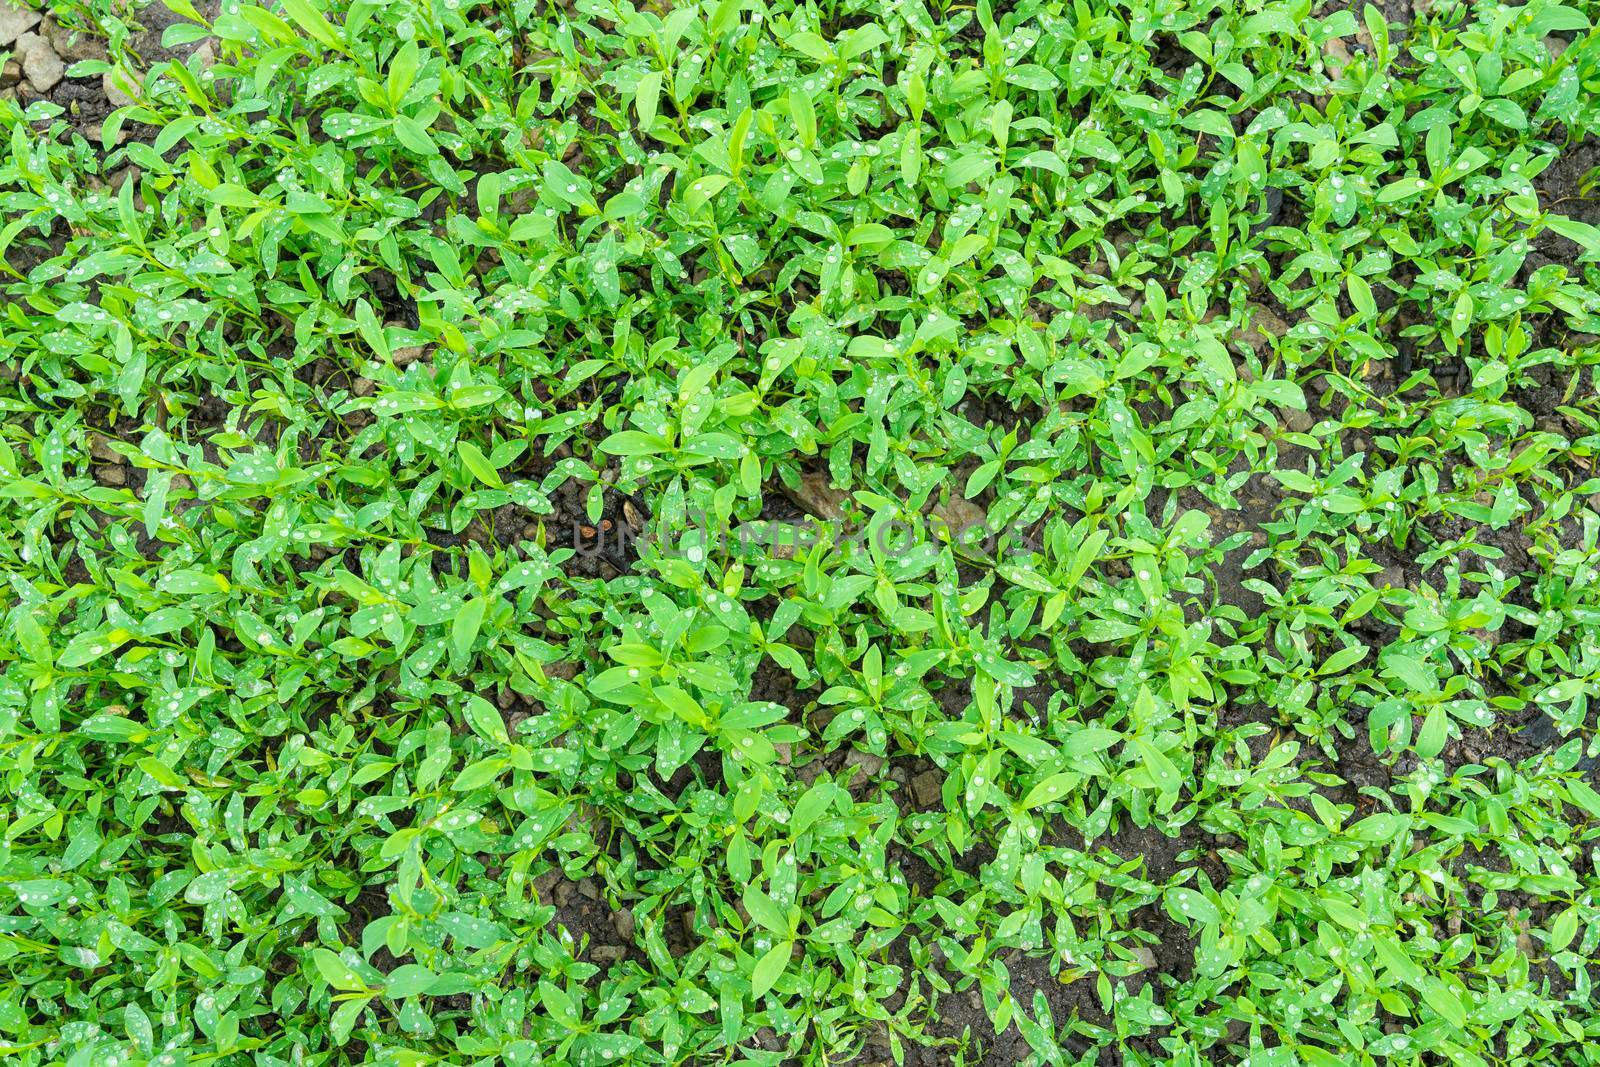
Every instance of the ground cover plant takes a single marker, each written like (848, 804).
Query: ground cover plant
(832, 533)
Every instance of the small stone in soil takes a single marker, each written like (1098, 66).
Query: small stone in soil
(606, 954)
(1297, 420)
(118, 88)
(70, 45)
(15, 20)
(926, 789)
(100, 448)
(39, 61)
(870, 765)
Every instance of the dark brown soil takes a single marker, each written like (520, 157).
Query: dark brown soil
(602, 936)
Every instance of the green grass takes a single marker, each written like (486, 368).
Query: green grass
(1191, 409)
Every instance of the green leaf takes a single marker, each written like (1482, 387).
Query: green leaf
(408, 980)
(464, 628)
(344, 1019)
(1163, 772)
(701, 190)
(1056, 787)
(1088, 741)
(1392, 956)
(1186, 905)
(476, 462)
(1443, 1000)
(336, 972)
(646, 95)
(1563, 930)
(769, 968)
(486, 721)
(559, 1005)
(811, 806)
(1434, 733)
(479, 774)
(765, 911)
(633, 443)
(309, 17)
(1402, 189)
(113, 728)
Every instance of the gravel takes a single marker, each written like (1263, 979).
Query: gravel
(40, 64)
(117, 86)
(15, 20)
